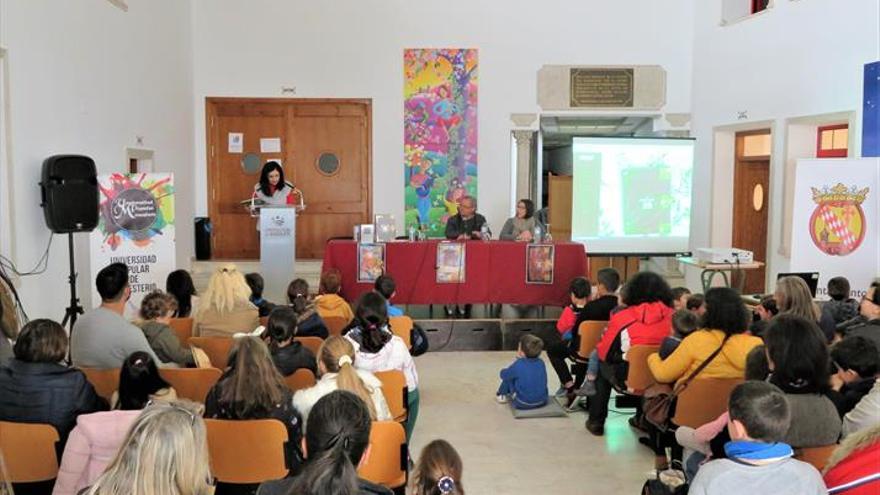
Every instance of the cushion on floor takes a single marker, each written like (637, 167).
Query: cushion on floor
(551, 410)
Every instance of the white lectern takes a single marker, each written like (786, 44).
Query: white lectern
(277, 249)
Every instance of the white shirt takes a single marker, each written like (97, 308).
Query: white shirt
(304, 400)
(393, 356)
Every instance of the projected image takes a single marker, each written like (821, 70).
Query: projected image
(632, 195)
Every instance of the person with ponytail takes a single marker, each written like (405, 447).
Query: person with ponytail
(336, 359)
(252, 388)
(439, 470)
(376, 349)
(336, 444)
(308, 322)
(288, 354)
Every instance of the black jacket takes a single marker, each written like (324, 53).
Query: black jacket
(310, 324)
(457, 226)
(46, 393)
(293, 357)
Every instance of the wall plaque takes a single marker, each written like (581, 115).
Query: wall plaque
(601, 87)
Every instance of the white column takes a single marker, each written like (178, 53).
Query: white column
(523, 163)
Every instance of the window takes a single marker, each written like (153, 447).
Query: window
(832, 141)
(733, 11)
(759, 5)
(756, 144)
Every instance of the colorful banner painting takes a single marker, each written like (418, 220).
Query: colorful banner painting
(136, 227)
(440, 134)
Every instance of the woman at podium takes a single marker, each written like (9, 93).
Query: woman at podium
(272, 188)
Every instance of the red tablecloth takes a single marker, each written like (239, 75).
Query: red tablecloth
(495, 272)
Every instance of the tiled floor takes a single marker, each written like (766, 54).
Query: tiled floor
(503, 455)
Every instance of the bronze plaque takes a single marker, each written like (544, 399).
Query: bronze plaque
(601, 87)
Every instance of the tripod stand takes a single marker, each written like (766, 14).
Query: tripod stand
(74, 309)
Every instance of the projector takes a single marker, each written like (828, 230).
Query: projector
(724, 255)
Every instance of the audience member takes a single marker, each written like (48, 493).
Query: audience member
(165, 452)
(157, 308)
(865, 414)
(140, 383)
(764, 311)
(467, 223)
(798, 358)
(103, 338)
(35, 388)
(288, 354)
(376, 349)
(336, 358)
(329, 303)
(335, 445)
(646, 320)
(560, 350)
(522, 225)
(180, 285)
(683, 324)
(256, 283)
(308, 321)
(758, 459)
(869, 310)
(226, 308)
(8, 327)
(599, 309)
(439, 471)
(90, 447)
(696, 303)
(794, 298)
(853, 468)
(856, 362)
(840, 307)
(252, 388)
(524, 383)
(385, 285)
(680, 297)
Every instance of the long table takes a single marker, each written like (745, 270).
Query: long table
(495, 272)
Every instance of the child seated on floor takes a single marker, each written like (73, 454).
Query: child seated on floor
(683, 323)
(758, 461)
(525, 381)
(385, 285)
(680, 297)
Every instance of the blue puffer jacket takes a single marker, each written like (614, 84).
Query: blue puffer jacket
(46, 393)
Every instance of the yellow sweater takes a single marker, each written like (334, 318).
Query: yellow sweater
(696, 348)
(331, 305)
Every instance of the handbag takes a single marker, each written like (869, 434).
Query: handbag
(669, 482)
(659, 398)
(419, 340)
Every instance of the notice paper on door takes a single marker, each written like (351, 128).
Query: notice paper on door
(236, 142)
(270, 145)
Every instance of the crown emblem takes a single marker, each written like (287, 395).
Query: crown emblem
(839, 193)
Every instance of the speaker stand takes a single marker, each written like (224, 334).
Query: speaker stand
(74, 309)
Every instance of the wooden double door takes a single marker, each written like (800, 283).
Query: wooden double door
(324, 149)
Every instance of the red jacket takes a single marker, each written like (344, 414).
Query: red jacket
(854, 468)
(646, 324)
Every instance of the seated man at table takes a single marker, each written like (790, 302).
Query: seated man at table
(467, 223)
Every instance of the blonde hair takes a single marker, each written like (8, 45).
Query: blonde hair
(253, 387)
(794, 298)
(330, 354)
(439, 460)
(165, 452)
(226, 290)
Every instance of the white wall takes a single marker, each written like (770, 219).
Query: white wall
(86, 77)
(799, 58)
(354, 48)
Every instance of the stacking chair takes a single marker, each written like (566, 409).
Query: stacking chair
(639, 377)
(183, 328)
(310, 343)
(261, 460)
(300, 379)
(335, 324)
(30, 451)
(395, 391)
(703, 401)
(589, 332)
(402, 327)
(817, 456)
(387, 463)
(217, 349)
(105, 381)
(191, 383)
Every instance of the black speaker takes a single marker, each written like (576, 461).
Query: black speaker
(69, 190)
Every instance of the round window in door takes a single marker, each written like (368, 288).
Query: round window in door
(328, 163)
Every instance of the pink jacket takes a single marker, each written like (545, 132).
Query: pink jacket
(92, 444)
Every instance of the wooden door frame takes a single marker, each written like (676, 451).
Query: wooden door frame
(738, 158)
(211, 103)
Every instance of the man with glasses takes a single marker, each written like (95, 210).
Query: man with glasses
(870, 312)
(467, 223)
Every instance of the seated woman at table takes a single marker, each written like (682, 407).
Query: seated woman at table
(520, 227)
